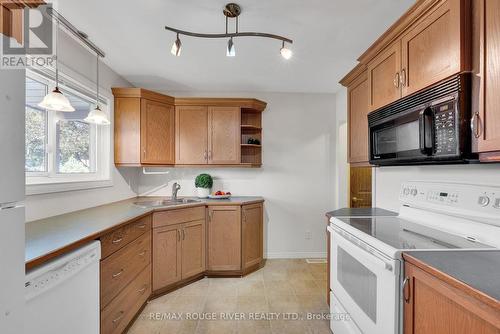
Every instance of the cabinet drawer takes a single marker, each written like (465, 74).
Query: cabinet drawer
(178, 216)
(120, 268)
(117, 239)
(118, 314)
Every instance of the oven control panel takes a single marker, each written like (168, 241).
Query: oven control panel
(461, 199)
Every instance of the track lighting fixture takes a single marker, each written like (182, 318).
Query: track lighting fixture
(231, 11)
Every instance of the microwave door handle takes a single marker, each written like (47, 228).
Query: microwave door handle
(425, 129)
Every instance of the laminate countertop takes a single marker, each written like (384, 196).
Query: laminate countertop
(361, 212)
(50, 237)
(475, 272)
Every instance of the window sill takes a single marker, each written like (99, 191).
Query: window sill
(64, 186)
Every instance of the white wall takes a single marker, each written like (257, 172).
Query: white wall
(296, 179)
(388, 179)
(77, 62)
(341, 166)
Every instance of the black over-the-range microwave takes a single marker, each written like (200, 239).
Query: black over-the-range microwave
(428, 127)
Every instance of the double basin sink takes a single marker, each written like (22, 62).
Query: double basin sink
(166, 202)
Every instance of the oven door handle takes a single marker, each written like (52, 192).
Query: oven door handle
(360, 245)
(425, 121)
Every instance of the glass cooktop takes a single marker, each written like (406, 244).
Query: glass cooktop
(403, 234)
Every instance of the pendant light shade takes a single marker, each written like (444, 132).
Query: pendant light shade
(97, 116)
(231, 50)
(56, 101)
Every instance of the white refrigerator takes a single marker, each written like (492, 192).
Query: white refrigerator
(12, 191)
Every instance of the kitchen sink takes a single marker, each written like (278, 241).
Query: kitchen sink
(166, 202)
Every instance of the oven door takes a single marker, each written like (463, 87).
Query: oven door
(404, 137)
(365, 282)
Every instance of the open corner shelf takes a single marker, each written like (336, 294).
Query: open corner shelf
(251, 128)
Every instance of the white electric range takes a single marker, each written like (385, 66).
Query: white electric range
(366, 270)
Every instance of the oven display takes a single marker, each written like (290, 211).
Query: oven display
(443, 194)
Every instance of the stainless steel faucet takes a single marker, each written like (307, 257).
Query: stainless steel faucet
(175, 188)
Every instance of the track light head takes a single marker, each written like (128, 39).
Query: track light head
(286, 52)
(231, 50)
(176, 47)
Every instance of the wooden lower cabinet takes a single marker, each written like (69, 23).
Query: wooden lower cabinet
(235, 238)
(224, 238)
(433, 306)
(116, 317)
(178, 250)
(166, 256)
(252, 235)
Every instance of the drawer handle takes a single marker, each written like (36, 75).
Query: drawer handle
(142, 253)
(141, 226)
(119, 318)
(117, 241)
(141, 291)
(118, 274)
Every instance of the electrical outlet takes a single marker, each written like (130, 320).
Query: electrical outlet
(308, 235)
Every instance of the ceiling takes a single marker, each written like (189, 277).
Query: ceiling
(328, 35)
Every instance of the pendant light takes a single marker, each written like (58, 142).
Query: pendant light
(97, 116)
(55, 100)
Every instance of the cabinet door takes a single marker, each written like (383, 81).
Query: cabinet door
(193, 248)
(358, 120)
(157, 133)
(191, 135)
(432, 306)
(224, 238)
(384, 77)
(166, 256)
(486, 84)
(431, 50)
(224, 135)
(252, 231)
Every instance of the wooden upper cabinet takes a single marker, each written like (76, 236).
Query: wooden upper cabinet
(193, 248)
(157, 133)
(144, 127)
(192, 135)
(432, 305)
(358, 93)
(384, 77)
(434, 49)
(486, 79)
(252, 234)
(224, 135)
(224, 238)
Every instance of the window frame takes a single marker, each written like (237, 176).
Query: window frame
(53, 181)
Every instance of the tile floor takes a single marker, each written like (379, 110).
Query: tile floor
(274, 296)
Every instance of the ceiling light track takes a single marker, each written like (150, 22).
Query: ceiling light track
(231, 11)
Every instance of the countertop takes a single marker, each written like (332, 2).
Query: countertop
(50, 237)
(360, 212)
(478, 271)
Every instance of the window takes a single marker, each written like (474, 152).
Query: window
(63, 152)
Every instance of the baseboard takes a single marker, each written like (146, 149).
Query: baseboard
(296, 255)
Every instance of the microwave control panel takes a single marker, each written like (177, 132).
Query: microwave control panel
(445, 129)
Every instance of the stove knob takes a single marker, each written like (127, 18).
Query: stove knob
(497, 203)
(406, 191)
(483, 200)
(414, 192)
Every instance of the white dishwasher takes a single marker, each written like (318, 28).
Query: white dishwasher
(63, 296)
